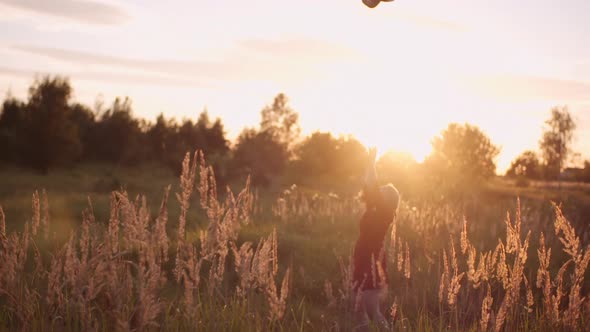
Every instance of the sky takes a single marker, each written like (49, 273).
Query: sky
(393, 76)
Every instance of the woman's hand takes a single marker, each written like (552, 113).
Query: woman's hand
(371, 175)
(372, 156)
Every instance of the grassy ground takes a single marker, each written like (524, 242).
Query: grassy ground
(68, 191)
(312, 245)
(544, 190)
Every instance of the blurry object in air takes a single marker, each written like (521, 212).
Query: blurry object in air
(374, 3)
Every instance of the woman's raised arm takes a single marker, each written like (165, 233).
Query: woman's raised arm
(371, 188)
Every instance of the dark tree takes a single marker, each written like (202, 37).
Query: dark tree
(210, 136)
(159, 136)
(556, 141)
(281, 121)
(526, 165)
(351, 162)
(50, 131)
(462, 157)
(323, 161)
(259, 155)
(265, 153)
(315, 159)
(586, 176)
(170, 141)
(12, 128)
(84, 120)
(120, 137)
(51, 136)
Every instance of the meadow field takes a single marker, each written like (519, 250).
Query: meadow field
(102, 248)
(225, 165)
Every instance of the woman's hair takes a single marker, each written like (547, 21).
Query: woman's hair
(391, 197)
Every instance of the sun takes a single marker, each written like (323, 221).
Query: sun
(413, 135)
(417, 151)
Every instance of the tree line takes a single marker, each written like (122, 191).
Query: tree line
(555, 150)
(50, 130)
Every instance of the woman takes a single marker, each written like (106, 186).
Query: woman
(370, 268)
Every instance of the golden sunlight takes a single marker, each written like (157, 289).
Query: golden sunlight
(271, 165)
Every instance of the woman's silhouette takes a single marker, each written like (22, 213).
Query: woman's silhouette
(369, 277)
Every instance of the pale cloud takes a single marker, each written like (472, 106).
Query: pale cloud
(105, 76)
(234, 69)
(430, 21)
(14, 72)
(81, 11)
(301, 48)
(88, 58)
(280, 60)
(522, 88)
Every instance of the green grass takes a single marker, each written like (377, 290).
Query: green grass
(69, 191)
(310, 248)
